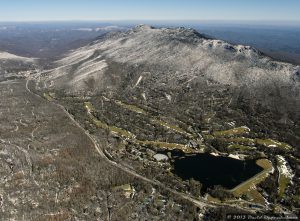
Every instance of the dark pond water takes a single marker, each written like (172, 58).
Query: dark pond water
(211, 170)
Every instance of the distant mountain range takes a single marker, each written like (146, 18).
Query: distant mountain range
(49, 40)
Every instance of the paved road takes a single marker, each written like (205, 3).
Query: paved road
(196, 202)
(201, 203)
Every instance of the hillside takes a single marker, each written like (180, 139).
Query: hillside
(146, 59)
(14, 66)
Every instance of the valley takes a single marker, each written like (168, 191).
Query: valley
(131, 141)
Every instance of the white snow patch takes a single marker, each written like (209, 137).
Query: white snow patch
(234, 156)
(272, 145)
(246, 128)
(8, 56)
(284, 168)
(144, 96)
(95, 68)
(231, 123)
(76, 56)
(168, 96)
(138, 81)
(161, 157)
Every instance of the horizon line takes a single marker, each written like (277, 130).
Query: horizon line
(127, 20)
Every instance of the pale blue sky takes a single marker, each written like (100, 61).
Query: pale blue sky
(50, 10)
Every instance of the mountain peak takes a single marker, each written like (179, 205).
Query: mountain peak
(181, 51)
(181, 32)
(143, 27)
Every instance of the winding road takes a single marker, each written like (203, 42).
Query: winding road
(196, 202)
